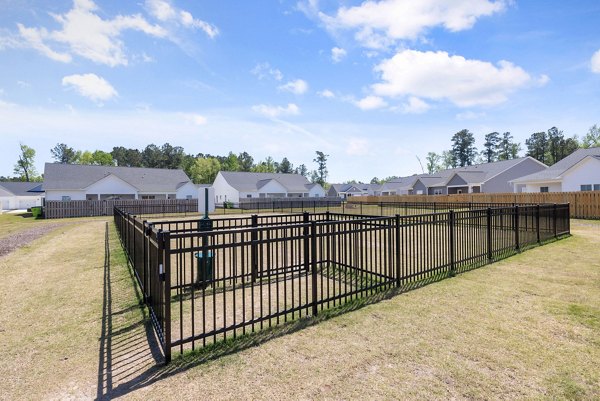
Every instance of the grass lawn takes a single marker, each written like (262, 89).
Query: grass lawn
(526, 327)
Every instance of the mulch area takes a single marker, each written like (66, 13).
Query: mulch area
(22, 238)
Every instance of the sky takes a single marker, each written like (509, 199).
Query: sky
(373, 84)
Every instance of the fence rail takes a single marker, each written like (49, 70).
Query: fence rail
(250, 273)
(584, 204)
(85, 208)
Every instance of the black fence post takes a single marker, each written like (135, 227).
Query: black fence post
(517, 245)
(490, 250)
(397, 254)
(254, 247)
(313, 259)
(167, 294)
(554, 217)
(537, 223)
(451, 221)
(568, 217)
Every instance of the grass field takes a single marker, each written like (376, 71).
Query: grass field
(526, 327)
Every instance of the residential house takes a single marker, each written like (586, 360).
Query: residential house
(399, 186)
(231, 186)
(82, 182)
(580, 171)
(348, 190)
(20, 195)
(493, 177)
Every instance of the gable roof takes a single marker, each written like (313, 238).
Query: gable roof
(475, 174)
(249, 182)
(555, 171)
(59, 176)
(22, 188)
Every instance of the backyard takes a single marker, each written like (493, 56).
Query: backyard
(525, 327)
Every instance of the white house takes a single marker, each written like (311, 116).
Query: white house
(348, 190)
(20, 195)
(231, 186)
(82, 182)
(580, 171)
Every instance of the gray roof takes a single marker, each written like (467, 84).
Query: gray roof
(475, 174)
(250, 182)
(555, 171)
(59, 176)
(354, 188)
(22, 188)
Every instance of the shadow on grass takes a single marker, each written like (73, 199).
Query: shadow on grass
(124, 365)
(130, 357)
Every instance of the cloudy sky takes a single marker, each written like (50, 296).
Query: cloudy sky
(373, 84)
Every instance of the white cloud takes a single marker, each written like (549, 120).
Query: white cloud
(34, 38)
(595, 62)
(277, 111)
(370, 103)
(379, 24)
(438, 76)
(264, 70)
(297, 87)
(326, 94)
(86, 34)
(164, 11)
(415, 106)
(91, 86)
(357, 147)
(337, 54)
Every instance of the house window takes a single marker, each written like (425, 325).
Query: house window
(66, 198)
(587, 187)
(437, 192)
(188, 197)
(596, 187)
(543, 189)
(148, 197)
(249, 196)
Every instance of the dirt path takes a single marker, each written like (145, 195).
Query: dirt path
(22, 238)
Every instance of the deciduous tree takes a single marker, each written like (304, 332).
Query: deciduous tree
(433, 162)
(592, 138)
(25, 167)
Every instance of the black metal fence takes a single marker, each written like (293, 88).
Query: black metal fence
(250, 273)
(341, 206)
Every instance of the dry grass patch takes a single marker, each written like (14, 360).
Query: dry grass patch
(525, 327)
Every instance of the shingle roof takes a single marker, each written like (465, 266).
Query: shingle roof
(555, 171)
(76, 176)
(475, 174)
(22, 188)
(249, 182)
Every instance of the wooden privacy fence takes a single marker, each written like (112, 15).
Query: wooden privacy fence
(583, 205)
(85, 208)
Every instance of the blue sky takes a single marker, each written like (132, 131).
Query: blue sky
(373, 84)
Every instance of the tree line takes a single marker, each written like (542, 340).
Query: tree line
(548, 147)
(201, 168)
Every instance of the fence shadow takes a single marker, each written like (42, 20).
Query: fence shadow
(125, 349)
(122, 370)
